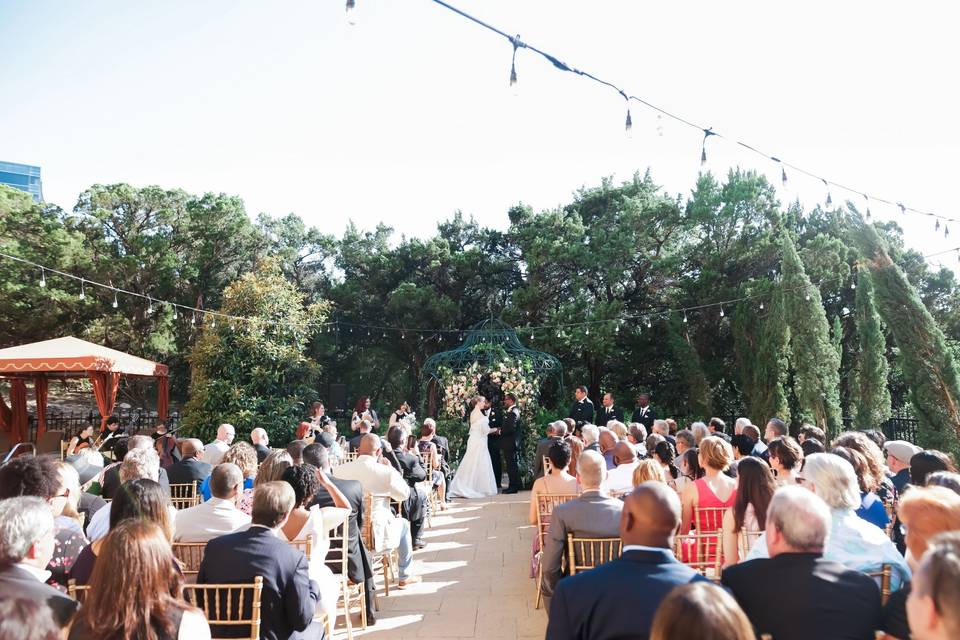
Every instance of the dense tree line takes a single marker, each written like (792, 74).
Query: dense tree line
(812, 340)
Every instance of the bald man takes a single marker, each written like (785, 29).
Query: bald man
(261, 442)
(608, 441)
(618, 599)
(214, 451)
(620, 478)
(191, 467)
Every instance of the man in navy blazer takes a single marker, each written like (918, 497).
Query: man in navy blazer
(289, 598)
(591, 605)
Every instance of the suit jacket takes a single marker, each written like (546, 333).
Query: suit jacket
(605, 415)
(16, 582)
(359, 567)
(582, 412)
(111, 481)
(354, 443)
(410, 467)
(823, 599)
(582, 607)
(189, 470)
(645, 418)
(510, 432)
(262, 452)
(289, 598)
(542, 448)
(592, 515)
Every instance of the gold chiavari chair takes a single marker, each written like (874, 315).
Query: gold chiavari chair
(884, 575)
(702, 552)
(890, 505)
(547, 466)
(433, 495)
(189, 555)
(389, 558)
(305, 545)
(587, 553)
(745, 541)
(185, 495)
(228, 606)
(77, 591)
(350, 592)
(349, 456)
(545, 505)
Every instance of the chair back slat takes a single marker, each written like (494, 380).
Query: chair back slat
(184, 495)
(746, 540)
(547, 466)
(228, 605)
(336, 558)
(190, 555)
(884, 576)
(76, 591)
(545, 505)
(586, 553)
(701, 552)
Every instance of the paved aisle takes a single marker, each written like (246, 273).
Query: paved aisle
(476, 583)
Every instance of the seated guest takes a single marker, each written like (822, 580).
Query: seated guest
(739, 424)
(811, 446)
(215, 450)
(591, 435)
(685, 441)
(137, 593)
(945, 479)
(636, 433)
(363, 427)
(755, 488)
(664, 454)
(244, 456)
(295, 449)
(349, 495)
(853, 541)
(742, 446)
(648, 470)
(425, 446)
(304, 433)
(650, 444)
(786, 459)
(714, 490)
(111, 477)
(699, 431)
(759, 448)
(924, 513)
(592, 515)
(618, 599)
(689, 467)
(620, 478)
(875, 478)
(619, 430)
(141, 499)
(27, 539)
(934, 603)
(379, 477)
(312, 521)
(899, 453)
(826, 599)
(191, 467)
(557, 481)
(718, 428)
(576, 448)
(81, 441)
(22, 618)
(217, 516)
(809, 431)
(543, 446)
(289, 599)
(927, 462)
(700, 610)
(270, 471)
(871, 507)
(55, 483)
(662, 428)
(261, 442)
(138, 463)
(411, 468)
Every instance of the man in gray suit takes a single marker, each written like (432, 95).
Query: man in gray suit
(592, 515)
(543, 447)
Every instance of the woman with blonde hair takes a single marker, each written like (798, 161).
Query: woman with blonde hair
(700, 611)
(270, 470)
(647, 470)
(715, 490)
(244, 456)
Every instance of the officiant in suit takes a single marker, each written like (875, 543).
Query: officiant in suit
(582, 410)
(493, 441)
(510, 442)
(644, 413)
(609, 411)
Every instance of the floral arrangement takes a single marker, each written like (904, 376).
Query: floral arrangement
(506, 376)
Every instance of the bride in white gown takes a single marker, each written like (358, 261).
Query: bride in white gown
(474, 477)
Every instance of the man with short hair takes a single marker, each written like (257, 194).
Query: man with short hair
(620, 478)
(826, 600)
(933, 607)
(26, 546)
(609, 411)
(191, 467)
(644, 413)
(214, 451)
(111, 477)
(295, 449)
(289, 598)
(759, 448)
(740, 424)
(591, 604)
(718, 428)
(543, 446)
(591, 436)
(775, 428)
(138, 463)
(593, 514)
(607, 441)
(364, 427)
(261, 442)
(378, 476)
(899, 453)
(685, 440)
(510, 443)
(662, 427)
(582, 410)
(218, 515)
(809, 431)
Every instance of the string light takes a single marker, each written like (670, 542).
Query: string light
(175, 316)
(684, 317)
(783, 172)
(761, 305)
(703, 147)
(43, 279)
(867, 199)
(721, 311)
(115, 302)
(149, 305)
(514, 87)
(83, 294)
(351, 12)
(649, 323)
(826, 186)
(903, 209)
(193, 318)
(659, 125)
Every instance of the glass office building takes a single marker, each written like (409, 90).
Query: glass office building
(23, 177)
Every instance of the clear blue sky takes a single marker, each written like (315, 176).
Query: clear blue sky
(407, 117)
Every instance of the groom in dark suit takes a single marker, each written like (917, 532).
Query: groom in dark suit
(510, 441)
(493, 441)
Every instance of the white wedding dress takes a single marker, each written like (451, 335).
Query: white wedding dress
(474, 477)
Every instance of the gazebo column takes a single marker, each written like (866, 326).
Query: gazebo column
(6, 416)
(18, 405)
(40, 391)
(105, 386)
(163, 397)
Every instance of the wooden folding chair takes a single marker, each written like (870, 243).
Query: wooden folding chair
(76, 591)
(587, 553)
(884, 575)
(545, 505)
(389, 558)
(189, 555)
(433, 496)
(350, 592)
(228, 606)
(184, 495)
(746, 540)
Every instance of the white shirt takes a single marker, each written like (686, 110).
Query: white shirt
(193, 626)
(383, 479)
(620, 478)
(213, 452)
(41, 575)
(99, 525)
(215, 517)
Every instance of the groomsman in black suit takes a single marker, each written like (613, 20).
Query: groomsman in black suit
(608, 411)
(510, 442)
(582, 410)
(493, 441)
(644, 413)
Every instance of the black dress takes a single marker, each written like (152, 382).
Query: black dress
(82, 631)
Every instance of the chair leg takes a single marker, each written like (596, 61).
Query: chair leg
(539, 591)
(346, 609)
(363, 608)
(385, 561)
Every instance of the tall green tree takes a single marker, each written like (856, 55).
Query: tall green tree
(699, 394)
(928, 366)
(871, 391)
(815, 360)
(255, 373)
(762, 341)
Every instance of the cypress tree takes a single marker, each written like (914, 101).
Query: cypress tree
(928, 366)
(870, 390)
(761, 340)
(699, 394)
(814, 358)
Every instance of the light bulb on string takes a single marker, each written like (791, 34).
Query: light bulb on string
(783, 175)
(351, 12)
(946, 231)
(213, 323)
(175, 316)
(806, 296)
(115, 302)
(936, 225)
(149, 305)
(866, 199)
(853, 285)
(588, 331)
(649, 323)
(703, 147)
(193, 318)
(903, 209)
(43, 279)
(514, 86)
(721, 311)
(761, 305)
(685, 317)
(659, 125)
(83, 294)
(826, 185)
(629, 124)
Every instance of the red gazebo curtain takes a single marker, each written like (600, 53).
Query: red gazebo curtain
(163, 397)
(105, 387)
(40, 391)
(6, 417)
(18, 404)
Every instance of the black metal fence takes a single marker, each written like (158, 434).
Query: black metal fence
(72, 423)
